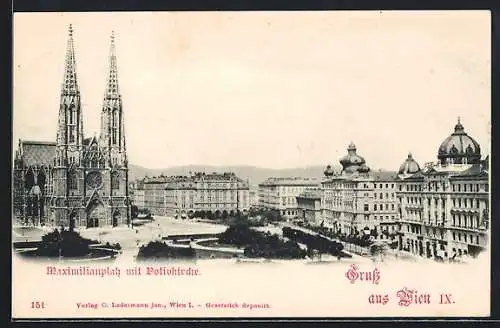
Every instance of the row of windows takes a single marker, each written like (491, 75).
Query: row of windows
(340, 186)
(292, 189)
(380, 185)
(469, 187)
(381, 207)
(192, 206)
(411, 187)
(435, 185)
(465, 221)
(457, 202)
(463, 237)
(386, 217)
(381, 195)
(466, 202)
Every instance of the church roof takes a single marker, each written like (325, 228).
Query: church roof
(37, 152)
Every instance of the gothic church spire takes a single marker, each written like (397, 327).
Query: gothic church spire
(112, 90)
(70, 122)
(112, 121)
(70, 84)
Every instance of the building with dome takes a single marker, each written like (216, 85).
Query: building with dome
(459, 148)
(358, 200)
(409, 167)
(76, 181)
(444, 207)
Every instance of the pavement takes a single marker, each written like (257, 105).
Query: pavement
(26, 233)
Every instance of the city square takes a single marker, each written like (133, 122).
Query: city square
(433, 210)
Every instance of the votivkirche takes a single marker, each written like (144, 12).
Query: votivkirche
(76, 181)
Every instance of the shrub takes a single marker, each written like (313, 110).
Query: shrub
(68, 243)
(258, 244)
(314, 242)
(160, 250)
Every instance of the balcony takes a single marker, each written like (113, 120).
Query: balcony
(464, 210)
(414, 207)
(434, 224)
(481, 228)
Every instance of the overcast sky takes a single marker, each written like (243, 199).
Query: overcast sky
(272, 89)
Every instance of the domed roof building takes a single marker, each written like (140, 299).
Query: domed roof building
(459, 148)
(329, 172)
(409, 166)
(352, 162)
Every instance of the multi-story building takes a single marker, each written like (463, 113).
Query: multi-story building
(385, 211)
(154, 194)
(216, 194)
(76, 181)
(280, 194)
(137, 195)
(444, 208)
(254, 196)
(309, 206)
(358, 200)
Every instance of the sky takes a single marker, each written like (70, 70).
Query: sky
(269, 89)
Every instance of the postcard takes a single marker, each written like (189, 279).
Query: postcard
(251, 164)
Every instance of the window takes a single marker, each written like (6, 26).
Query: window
(374, 207)
(366, 208)
(72, 180)
(115, 180)
(392, 206)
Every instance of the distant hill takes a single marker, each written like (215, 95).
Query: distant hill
(255, 175)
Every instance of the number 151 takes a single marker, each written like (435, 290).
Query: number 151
(38, 305)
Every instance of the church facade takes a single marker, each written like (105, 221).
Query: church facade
(76, 181)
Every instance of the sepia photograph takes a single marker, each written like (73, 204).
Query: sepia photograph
(251, 164)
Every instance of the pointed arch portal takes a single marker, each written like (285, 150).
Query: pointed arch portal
(72, 220)
(116, 215)
(95, 213)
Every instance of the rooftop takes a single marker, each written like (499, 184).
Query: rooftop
(290, 181)
(383, 175)
(36, 153)
(311, 194)
(195, 177)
